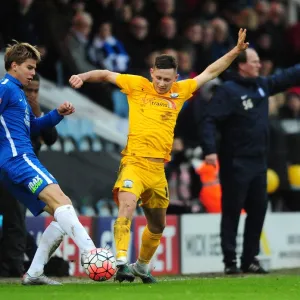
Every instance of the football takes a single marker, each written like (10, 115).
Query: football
(100, 264)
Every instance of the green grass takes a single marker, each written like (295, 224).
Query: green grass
(272, 287)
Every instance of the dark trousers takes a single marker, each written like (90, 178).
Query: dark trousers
(243, 183)
(15, 240)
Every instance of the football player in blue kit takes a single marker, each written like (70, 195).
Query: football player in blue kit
(20, 170)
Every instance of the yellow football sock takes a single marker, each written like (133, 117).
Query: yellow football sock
(122, 236)
(150, 242)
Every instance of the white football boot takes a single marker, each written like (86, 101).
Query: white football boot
(39, 280)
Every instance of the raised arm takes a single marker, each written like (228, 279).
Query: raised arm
(220, 65)
(76, 81)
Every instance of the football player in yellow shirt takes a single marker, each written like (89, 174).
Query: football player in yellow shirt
(153, 110)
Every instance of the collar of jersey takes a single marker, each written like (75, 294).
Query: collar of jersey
(14, 80)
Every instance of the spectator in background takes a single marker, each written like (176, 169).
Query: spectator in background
(289, 115)
(139, 8)
(107, 51)
(178, 177)
(136, 44)
(291, 110)
(185, 65)
(204, 55)
(101, 11)
(77, 41)
(210, 193)
(222, 40)
(290, 122)
(208, 9)
(278, 154)
(192, 39)
(262, 9)
(76, 58)
(160, 9)
(54, 19)
(166, 34)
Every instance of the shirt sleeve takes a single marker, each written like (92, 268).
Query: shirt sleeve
(4, 98)
(127, 82)
(49, 120)
(287, 78)
(187, 87)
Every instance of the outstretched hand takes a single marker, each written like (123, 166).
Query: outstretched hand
(66, 109)
(241, 45)
(75, 81)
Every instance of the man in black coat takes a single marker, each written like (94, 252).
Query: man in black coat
(240, 109)
(15, 240)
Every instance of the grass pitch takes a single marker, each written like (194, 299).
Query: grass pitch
(274, 287)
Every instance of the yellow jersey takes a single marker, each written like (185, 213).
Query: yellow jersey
(152, 116)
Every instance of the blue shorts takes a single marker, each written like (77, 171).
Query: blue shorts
(25, 177)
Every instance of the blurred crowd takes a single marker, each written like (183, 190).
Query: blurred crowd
(76, 36)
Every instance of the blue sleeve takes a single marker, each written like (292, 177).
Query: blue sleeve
(219, 108)
(287, 78)
(4, 98)
(49, 120)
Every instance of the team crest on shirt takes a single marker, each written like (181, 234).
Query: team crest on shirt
(127, 183)
(174, 95)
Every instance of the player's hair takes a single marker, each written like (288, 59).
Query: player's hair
(19, 52)
(242, 58)
(165, 61)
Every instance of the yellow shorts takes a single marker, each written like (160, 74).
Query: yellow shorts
(145, 179)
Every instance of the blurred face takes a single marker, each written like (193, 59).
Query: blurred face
(126, 13)
(265, 41)
(85, 27)
(266, 67)
(32, 91)
(23, 72)
(137, 4)
(139, 29)
(194, 33)
(208, 35)
(105, 31)
(165, 6)
(210, 7)
(163, 79)
(294, 103)
(252, 66)
(184, 61)
(221, 32)
(168, 28)
(177, 145)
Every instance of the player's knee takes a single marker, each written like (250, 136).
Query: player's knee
(65, 200)
(127, 205)
(156, 228)
(126, 209)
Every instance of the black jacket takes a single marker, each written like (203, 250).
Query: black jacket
(240, 110)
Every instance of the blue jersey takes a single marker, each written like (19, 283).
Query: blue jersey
(17, 122)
